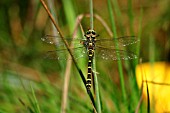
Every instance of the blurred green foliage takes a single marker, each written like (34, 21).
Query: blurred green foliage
(24, 22)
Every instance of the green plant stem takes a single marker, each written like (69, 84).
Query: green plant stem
(140, 32)
(98, 105)
(119, 61)
(69, 50)
(91, 14)
(65, 42)
(70, 13)
(130, 14)
(35, 100)
(70, 18)
(119, 15)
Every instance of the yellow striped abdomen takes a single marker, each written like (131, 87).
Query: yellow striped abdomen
(89, 72)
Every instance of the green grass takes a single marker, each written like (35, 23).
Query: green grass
(113, 25)
(24, 23)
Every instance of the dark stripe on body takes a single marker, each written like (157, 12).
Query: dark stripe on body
(89, 74)
(90, 46)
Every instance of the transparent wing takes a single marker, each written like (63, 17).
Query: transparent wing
(100, 52)
(113, 54)
(57, 41)
(121, 41)
(106, 42)
(105, 48)
(62, 54)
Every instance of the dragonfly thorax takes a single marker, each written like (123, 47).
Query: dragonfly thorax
(90, 39)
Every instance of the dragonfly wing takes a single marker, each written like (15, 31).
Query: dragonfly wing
(62, 54)
(57, 41)
(50, 39)
(114, 54)
(121, 41)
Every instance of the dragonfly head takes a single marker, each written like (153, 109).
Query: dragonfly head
(91, 33)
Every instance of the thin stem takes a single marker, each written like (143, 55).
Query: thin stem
(131, 17)
(70, 18)
(156, 83)
(91, 14)
(65, 87)
(99, 18)
(69, 13)
(139, 33)
(29, 98)
(59, 31)
(35, 99)
(119, 15)
(94, 65)
(68, 48)
(98, 104)
(119, 61)
(67, 73)
(65, 42)
(140, 100)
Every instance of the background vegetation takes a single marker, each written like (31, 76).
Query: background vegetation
(30, 83)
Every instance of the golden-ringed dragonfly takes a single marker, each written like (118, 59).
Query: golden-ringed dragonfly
(104, 48)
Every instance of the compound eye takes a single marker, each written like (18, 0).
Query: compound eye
(93, 32)
(88, 32)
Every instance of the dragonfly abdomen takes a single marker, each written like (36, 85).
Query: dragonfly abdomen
(89, 78)
(90, 72)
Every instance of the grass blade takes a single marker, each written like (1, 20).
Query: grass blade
(68, 48)
(130, 14)
(119, 15)
(96, 88)
(112, 20)
(91, 14)
(70, 17)
(35, 100)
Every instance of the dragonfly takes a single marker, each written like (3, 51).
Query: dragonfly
(104, 48)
